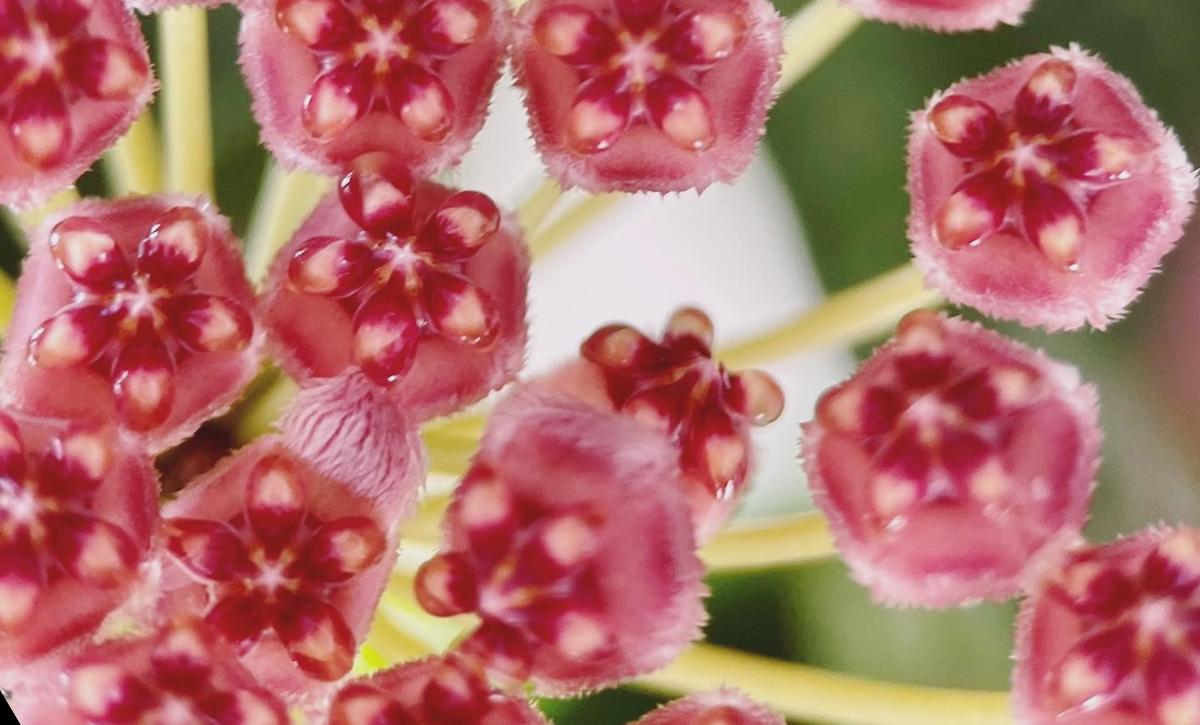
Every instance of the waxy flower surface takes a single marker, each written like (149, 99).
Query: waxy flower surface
(74, 74)
(1045, 192)
(334, 79)
(76, 515)
(570, 542)
(136, 310)
(647, 95)
(675, 387)
(419, 287)
(1113, 636)
(954, 463)
(283, 564)
(433, 691)
(179, 675)
(722, 707)
(945, 15)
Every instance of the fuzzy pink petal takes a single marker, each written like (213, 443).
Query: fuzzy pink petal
(206, 383)
(98, 481)
(739, 90)
(1016, 517)
(280, 70)
(1129, 226)
(1090, 652)
(312, 336)
(945, 15)
(722, 707)
(95, 124)
(606, 508)
(220, 495)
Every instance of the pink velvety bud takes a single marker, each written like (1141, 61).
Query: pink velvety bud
(284, 564)
(945, 15)
(136, 311)
(670, 97)
(433, 691)
(571, 542)
(1111, 636)
(722, 707)
(1045, 192)
(954, 464)
(333, 79)
(675, 388)
(181, 674)
(77, 509)
(416, 287)
(73, 77)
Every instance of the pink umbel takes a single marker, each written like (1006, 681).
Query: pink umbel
(674, 387)
(945, 15)
(1045, 192)
(416, 287)
(182, 674)
(569, 539)
(722, 707)
(74, 74)
(284, 564)
(136, 311)
(954, 465)
(77, 512)
(446, 690)
(1111, 637)
(333, 79)
(647, 95)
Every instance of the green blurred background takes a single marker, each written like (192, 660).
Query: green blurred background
(838, 139)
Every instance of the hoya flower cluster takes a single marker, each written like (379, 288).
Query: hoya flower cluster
(1045, 192)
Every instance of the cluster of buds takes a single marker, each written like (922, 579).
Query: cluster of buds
(1045, 192)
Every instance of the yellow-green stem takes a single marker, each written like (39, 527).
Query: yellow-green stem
(29, 220)
(186, 104)
(8, 295)
(811, 35)
(533, 210)
(578, 217)
(284, 200)
(134, 164)
(787, 540)
(809, 693)
(258, 415)
(851, 315)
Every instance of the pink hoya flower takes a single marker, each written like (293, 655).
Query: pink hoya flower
(568, 540)
(1045, 192)
(76, 514)
(134, 310)
(952, 433)
(74, 74)
(1112, 637)
(945, 15)
(647, 95)
(284, 564)
(675, 387)
(722, 707)
(333, 79)
(420, 288)
(434, 691)
(179, 675)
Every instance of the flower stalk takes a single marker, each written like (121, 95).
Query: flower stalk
(286, 198)
(811, 35)
(33, 218)
(186, 102)
(134, 165)
(784, 541)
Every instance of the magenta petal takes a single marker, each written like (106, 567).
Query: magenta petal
(1129, 224)
(589, 629)
(207, 382)
(1015, 483)
(591, 148)
(313, 336)
(720, 706)
(280, 70)
(945, 15)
